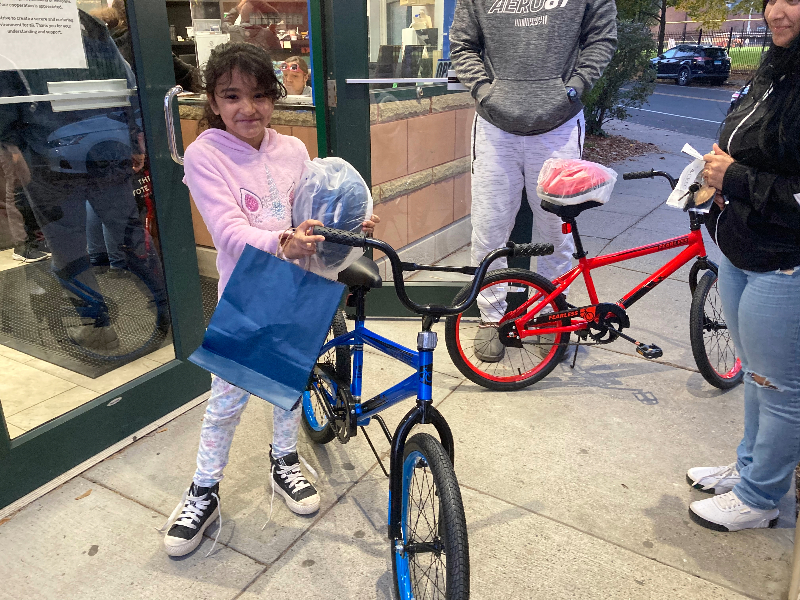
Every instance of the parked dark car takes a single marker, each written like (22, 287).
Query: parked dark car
(686, 62)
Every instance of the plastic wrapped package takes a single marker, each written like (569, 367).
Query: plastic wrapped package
(333, 192)
(567, 181)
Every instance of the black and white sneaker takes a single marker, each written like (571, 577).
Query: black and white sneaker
(198, 508)
(287, 479)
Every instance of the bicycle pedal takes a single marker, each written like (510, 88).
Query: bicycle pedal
(650, 351)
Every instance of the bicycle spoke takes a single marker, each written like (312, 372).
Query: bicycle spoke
(428, 569)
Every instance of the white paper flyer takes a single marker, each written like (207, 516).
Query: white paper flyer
(40, 34)
(693, 173)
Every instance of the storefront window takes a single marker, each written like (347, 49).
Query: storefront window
(83, 302)
(420, 136)
(282, 29)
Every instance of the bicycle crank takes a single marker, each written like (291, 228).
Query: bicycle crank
(648, 351)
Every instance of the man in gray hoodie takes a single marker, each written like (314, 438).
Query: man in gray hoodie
(526, 63)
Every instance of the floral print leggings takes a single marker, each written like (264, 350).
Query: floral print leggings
(225, 406)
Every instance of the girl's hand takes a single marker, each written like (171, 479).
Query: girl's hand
(303, 243)
(368, 226)
(717, 162)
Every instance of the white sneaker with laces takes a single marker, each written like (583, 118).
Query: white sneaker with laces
(727, 513)
(715, 480)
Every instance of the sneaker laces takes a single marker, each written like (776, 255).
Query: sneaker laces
(189, 510)
(728, 471)
(294, 478)
(729, 501)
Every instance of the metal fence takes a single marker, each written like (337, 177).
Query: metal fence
(744, 47)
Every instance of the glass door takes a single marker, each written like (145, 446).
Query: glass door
(283, 29)
(96, 299)
(393, 117)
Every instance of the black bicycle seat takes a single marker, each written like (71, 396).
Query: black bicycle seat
(364, 272)
(569, 212)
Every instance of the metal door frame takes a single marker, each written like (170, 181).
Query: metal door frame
(39, 456)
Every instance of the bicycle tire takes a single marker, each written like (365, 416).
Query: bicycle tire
(335, 365)
(506, 374)
(339, 356)
(440, 527)
(712, 346)
(136, 320)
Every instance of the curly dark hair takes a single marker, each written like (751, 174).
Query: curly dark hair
(248, 59)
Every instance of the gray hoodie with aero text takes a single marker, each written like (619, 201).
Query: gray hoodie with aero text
(518, 57)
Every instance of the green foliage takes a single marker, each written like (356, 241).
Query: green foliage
(712, 13)
(639, 11)
(626, 83)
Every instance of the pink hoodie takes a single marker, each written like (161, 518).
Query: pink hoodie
(244, 195)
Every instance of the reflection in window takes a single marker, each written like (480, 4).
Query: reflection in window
(82, 289)
(408, 40)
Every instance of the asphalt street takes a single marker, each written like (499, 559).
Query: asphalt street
(690, 109)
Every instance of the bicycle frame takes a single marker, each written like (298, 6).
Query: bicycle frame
(419, 384)
(412, 385)
(695, 247)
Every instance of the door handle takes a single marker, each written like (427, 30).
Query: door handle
(453, 84)
(171, 139)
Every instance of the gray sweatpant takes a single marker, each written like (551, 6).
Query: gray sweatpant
(502, 164)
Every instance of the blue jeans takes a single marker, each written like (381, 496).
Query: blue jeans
(100, 239)
(762, 311)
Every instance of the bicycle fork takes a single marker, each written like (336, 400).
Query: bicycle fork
(423, 413)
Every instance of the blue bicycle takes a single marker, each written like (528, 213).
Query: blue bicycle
(427, 526)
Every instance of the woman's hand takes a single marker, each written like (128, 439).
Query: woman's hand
(717, 162)
(368, 226)
(719, 200)
(302, 243)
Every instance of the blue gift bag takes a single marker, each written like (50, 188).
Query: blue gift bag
(268, 328)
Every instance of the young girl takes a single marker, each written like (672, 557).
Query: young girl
(242, 177)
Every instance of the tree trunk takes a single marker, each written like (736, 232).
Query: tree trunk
(662, 25)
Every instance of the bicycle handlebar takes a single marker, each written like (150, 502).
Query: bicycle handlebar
(649, 175)
(340, 236)
(357, 240)
(638, 174)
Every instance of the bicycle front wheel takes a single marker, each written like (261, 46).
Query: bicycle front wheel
(503, 291)
(712, 345)
(432, 559)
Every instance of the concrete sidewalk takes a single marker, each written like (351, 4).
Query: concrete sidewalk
(573, 488)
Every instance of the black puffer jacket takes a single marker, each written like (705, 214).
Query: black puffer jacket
(759, 230)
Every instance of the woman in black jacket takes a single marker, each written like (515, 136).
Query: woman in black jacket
(756, 224)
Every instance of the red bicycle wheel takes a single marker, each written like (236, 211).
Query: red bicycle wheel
(504, 291)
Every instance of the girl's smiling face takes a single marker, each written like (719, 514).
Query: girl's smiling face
(244, 108)
(783, 18)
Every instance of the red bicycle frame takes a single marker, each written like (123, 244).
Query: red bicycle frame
(580, 317)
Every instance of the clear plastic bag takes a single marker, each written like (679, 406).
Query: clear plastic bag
(332, 191)
(568, 181)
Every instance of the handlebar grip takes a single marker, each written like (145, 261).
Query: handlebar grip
(639, 175)
(340, 236)
(533, 249)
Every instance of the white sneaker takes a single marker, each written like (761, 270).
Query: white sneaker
(715, 480)
(727, 513)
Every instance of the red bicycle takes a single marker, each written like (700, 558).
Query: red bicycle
(534, 321)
